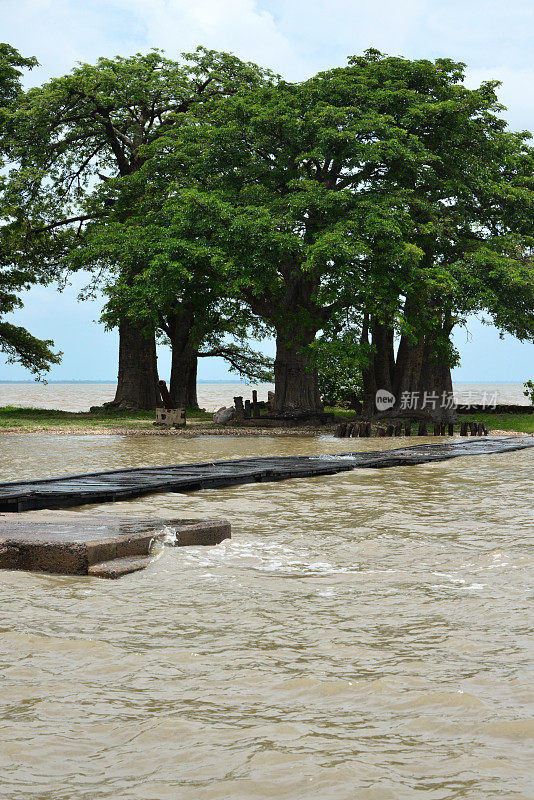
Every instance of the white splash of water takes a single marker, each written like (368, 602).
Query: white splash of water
(166, 538)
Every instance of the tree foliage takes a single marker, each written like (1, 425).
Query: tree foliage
(79, 144)
(385, 187)
(17, 344)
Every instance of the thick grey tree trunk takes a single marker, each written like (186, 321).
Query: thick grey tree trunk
(419, 378)
(183, 385)
(423, 382)
(137, 383)
(296, 391)
(184, 358)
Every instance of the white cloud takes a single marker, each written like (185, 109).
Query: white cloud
(62, 32)
(483, 31)
(239, 26)
(327, 32)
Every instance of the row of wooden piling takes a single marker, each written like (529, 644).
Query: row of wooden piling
(248, 409)
(473, 429)
(352, 430)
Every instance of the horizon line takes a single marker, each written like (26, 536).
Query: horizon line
(209, 380)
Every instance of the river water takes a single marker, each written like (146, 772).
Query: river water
(362, 636)
(211, 396)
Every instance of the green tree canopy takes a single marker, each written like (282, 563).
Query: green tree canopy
(385, 186)
(284, 197)
(17, 344)
(77, 143)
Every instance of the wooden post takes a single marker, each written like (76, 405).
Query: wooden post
(463, 429)
(398, 429)
(165, 396)
(248, 410)
(443, 429)
(408, 429)
(357, 430)
(239, 408)
(255, 406)
(380, 432)
(390, 430)
(339, 430)
(450, 429)
(437, 430)
(486, 430)
(473, 428)
(421, 431)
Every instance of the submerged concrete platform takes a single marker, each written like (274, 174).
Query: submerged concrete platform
(107, 487)
(101, 546)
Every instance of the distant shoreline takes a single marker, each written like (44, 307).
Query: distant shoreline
(225, 380)
(203, 380)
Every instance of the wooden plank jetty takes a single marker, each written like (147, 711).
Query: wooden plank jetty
(123, 484)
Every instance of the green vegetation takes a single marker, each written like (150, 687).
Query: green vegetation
(384, 191)
(529, 390)
(24, 418)
(16, 342)
(503, 422)
(78, 201)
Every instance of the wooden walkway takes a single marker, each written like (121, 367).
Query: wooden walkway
(107, 487)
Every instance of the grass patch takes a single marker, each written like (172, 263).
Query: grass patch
(14, 417)
(340, 413)
(502, 422)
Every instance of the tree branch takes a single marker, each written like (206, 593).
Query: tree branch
(67, 221)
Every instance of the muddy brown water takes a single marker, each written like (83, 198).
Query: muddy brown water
(363, 635)
(211, 396)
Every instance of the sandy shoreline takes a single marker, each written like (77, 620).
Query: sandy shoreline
(195, 430)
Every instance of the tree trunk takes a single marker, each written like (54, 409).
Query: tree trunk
(137, 383)
(408, 366)
(192, 397)
(183, 383)
(296, 381)
(296, 319)
(384, 357)
(368, 374)
(379, 374)
(423, 383)
(436, 381)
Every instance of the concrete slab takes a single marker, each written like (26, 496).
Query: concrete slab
(104, 546)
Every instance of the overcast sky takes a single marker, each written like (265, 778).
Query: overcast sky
(295, 38)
